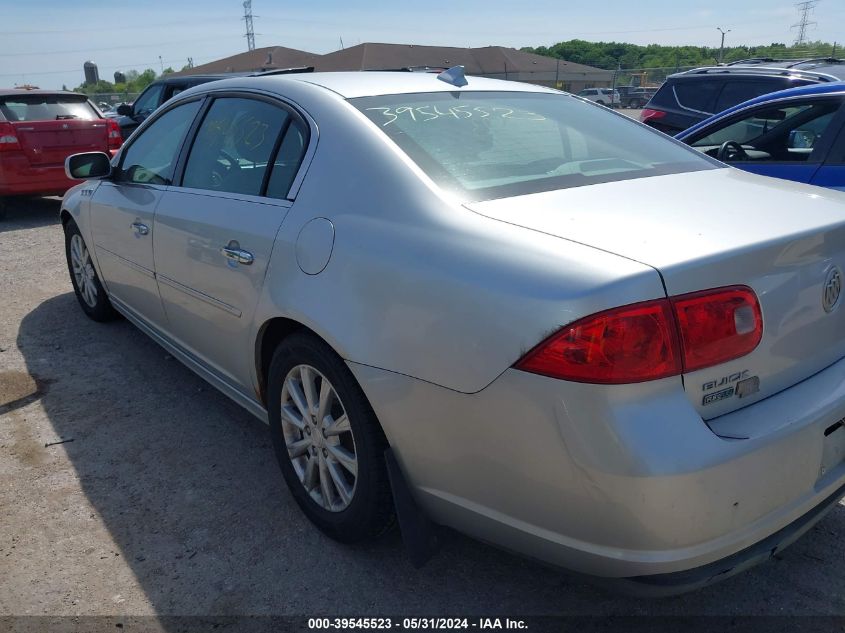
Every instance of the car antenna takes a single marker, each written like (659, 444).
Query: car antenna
(454, 76)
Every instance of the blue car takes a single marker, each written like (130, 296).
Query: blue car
(796, 134)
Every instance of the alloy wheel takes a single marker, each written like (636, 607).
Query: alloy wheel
(318, 437)
(83, 270)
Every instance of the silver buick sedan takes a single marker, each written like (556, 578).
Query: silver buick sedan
(433, 290)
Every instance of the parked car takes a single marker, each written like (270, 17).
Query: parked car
(602, 96)
(423, 284)
(796, 134)
(38, 130)
(130, 116)
(638, 97)
(690, 97)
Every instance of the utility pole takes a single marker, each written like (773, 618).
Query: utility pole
(806, 9)
(161, 63)
(722, 45)
(250, 33)
(557, 74)
(613, 87)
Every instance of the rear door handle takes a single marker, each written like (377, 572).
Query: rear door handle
(234, 252)
(140, 229)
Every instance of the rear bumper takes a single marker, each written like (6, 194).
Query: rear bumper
(622, 481)
(698, 577)
(18, 177)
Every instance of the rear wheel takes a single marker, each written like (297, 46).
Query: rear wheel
(328, 442)
(636, 104)
(2, 208)
(86, 284)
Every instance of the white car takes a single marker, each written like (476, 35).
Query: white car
(602, 96)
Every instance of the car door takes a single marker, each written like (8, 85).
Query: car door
(832, 172)
(214, 233)
(783, 139)
(123, 207)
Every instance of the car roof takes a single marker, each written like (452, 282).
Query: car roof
(832, 88)
(181, 79)
(5, 92)
(825, 73)
(828, 65)
(372, 83)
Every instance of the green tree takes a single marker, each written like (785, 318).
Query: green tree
(610, 55)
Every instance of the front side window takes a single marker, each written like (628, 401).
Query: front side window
(44, 107)
(148, 101)
(233, 146)
(151, 158)
(484, 145)
(786, 133)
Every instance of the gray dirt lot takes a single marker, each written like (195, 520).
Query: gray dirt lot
(169, 501)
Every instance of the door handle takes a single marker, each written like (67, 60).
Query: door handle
(140, 229)
(234, 252)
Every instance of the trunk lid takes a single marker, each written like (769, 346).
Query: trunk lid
(48, 143)
(718, 228)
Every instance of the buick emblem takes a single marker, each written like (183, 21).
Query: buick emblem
(832, 289)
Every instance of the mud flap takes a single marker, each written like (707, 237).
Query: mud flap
(419, 534)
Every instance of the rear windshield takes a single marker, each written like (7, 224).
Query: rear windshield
(485, 145)
(37, 107)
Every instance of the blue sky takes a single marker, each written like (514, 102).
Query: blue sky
(45, 42)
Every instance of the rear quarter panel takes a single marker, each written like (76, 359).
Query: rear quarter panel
(418, 284)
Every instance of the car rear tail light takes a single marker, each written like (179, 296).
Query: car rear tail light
(634, 343)
(8, 138)
(651, 340)
(115, 137)
(648, 114)
(716, 326)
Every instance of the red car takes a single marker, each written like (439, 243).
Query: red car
(38, 130)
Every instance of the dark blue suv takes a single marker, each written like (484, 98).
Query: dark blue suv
(796, 134)
(686, 98)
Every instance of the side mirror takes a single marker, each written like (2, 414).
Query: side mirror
(124, 109)
(801, 139)
(88, 166)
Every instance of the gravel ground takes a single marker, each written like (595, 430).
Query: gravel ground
(166, 499)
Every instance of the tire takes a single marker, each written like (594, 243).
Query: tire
(363, 510)
(636, 104)
(602, 103)
(2, 209)
(86, 284)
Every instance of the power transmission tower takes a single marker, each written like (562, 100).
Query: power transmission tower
(806, 9)
(250, 34)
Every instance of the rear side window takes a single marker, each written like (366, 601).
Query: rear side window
(697, 95)
(485, 145)
(287, 161)
(233, 146)
(151, 157)
(37, 107)
(736, 92)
